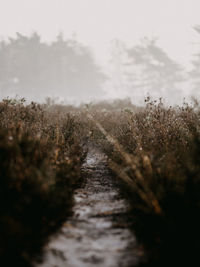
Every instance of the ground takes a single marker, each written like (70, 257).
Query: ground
(97, 234)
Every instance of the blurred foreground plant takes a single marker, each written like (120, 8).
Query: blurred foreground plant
(40, 166)
(156, 154)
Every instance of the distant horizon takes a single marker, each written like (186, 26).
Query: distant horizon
(110, 91)
(102, 58)
(96, 23)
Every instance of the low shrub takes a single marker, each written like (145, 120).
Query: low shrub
(40, 166)
(156, 154)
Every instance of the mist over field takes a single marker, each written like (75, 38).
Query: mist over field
(99, 133)
(65, 70)
(80, 51)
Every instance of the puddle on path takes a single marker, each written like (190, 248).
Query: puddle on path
(97, 233)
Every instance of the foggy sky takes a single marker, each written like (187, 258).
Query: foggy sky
(96, 22)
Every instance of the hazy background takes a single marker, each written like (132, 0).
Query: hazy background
(107, 49)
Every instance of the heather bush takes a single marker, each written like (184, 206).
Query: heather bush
(40, 166)
(155, 152)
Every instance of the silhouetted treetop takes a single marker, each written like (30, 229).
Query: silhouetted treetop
(32, 68)
(146, 68)
(159, 71)
(195, 72)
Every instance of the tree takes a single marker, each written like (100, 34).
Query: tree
(148, 69)
(78, 74)
(31, 68)
(195, 72)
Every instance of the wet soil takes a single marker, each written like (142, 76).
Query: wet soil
(97, 234)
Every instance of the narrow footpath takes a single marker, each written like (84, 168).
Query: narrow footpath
(97, 234)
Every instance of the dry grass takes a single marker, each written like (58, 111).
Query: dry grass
(156, 153)
(40, 166)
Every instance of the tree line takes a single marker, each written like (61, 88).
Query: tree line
(34, 69)
(147, 69)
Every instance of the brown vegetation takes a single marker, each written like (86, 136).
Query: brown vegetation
(40, 165)
(155, 152)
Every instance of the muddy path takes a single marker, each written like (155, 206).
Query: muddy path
(97, 234)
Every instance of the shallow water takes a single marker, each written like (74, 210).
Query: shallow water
(97, 234)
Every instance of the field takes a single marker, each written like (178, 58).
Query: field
(152, 152)
(41, 156)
